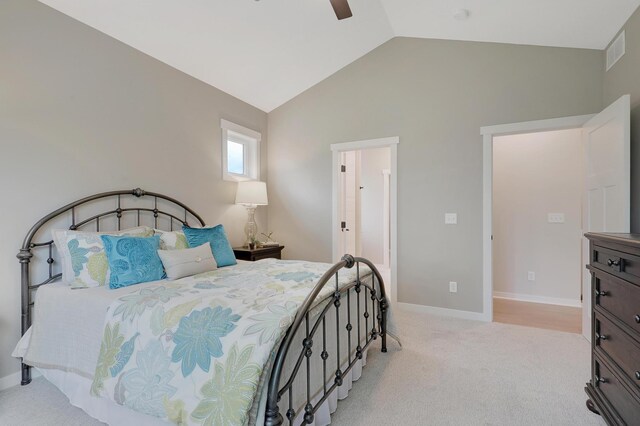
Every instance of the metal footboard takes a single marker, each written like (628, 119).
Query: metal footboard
(371, 309)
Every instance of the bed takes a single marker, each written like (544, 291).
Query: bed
(296, 334)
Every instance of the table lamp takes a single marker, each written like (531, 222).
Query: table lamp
(251, 194)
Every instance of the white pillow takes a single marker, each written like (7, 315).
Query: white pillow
(172, 240)
(185, 262)
(92, 270)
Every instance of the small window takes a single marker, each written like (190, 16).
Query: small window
(240, 152)
(235, 157)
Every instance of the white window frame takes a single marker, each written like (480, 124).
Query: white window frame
(250, 139)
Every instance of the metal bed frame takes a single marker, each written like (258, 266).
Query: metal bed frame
(372, 305)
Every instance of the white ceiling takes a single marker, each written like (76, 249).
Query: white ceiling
(587, 24)
(267, 52)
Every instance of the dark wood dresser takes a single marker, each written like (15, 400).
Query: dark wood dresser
(614, 389)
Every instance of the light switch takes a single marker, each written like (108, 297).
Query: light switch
(451, 218)
(555, 218)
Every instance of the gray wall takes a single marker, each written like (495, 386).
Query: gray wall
(435, 95)
(624, 78)
(82, 113)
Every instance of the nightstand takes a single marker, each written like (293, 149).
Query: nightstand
(243, 253)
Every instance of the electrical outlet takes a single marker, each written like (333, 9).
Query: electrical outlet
(451, 218)
(453, 287)
(531, 276)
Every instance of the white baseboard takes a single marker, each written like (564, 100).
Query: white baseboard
(537, 299)
(477, 316)
(14, 379)
(10, 381)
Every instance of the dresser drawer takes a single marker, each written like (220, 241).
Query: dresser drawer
(619, 298)
(627, 407)
(620, 264)
(620, 347)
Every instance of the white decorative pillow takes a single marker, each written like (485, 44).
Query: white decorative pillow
(186, 262)
(172, 240)
(82, 256)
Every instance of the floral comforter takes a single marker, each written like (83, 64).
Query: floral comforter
(193, 351)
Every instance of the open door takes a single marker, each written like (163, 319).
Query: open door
(607, 198)
(349, 203)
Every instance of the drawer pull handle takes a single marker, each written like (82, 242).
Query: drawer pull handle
(637, 318)
(601, 337)
(613, 263)
(637, 375)
(601, 379)
(601, 293)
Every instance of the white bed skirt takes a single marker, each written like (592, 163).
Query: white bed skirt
(329, 406)
(77, 389)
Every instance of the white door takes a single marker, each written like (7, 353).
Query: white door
(349, 203)
(607, 198)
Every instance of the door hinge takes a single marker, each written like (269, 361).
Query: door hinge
(343, 225)
(343, 168)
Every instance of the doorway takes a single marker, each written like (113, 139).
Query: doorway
(365, 204)
(606, 191)
(538, 181)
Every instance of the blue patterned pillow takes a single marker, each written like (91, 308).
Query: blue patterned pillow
(220, 247)
(133, 260)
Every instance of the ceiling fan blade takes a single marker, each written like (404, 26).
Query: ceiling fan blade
(341, 8)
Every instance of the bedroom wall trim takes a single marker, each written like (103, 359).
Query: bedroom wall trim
(12, 380)
(488, 133)
(365, 144)
(336, 148)
(454, 313)
(537, 299)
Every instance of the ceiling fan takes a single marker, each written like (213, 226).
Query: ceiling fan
(341, 8)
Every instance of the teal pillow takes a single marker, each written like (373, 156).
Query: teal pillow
(133, 260)
(220, 247)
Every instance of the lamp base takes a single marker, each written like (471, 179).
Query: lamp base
(251, 227)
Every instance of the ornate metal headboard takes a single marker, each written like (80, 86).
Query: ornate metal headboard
(110, 216)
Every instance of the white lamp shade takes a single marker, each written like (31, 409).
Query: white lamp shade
(252, 192)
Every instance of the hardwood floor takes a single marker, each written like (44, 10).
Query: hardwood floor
(538, 315)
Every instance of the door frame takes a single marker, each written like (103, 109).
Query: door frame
(337, 148)
(386, 218)
(488, 133)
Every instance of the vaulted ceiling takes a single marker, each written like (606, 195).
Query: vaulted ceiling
(267, 52)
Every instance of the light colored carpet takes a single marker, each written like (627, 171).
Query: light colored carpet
(460, 372)
(40, 404)
(450, 372)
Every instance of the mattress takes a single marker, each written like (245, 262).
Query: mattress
(64, 344)
(68, 326)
